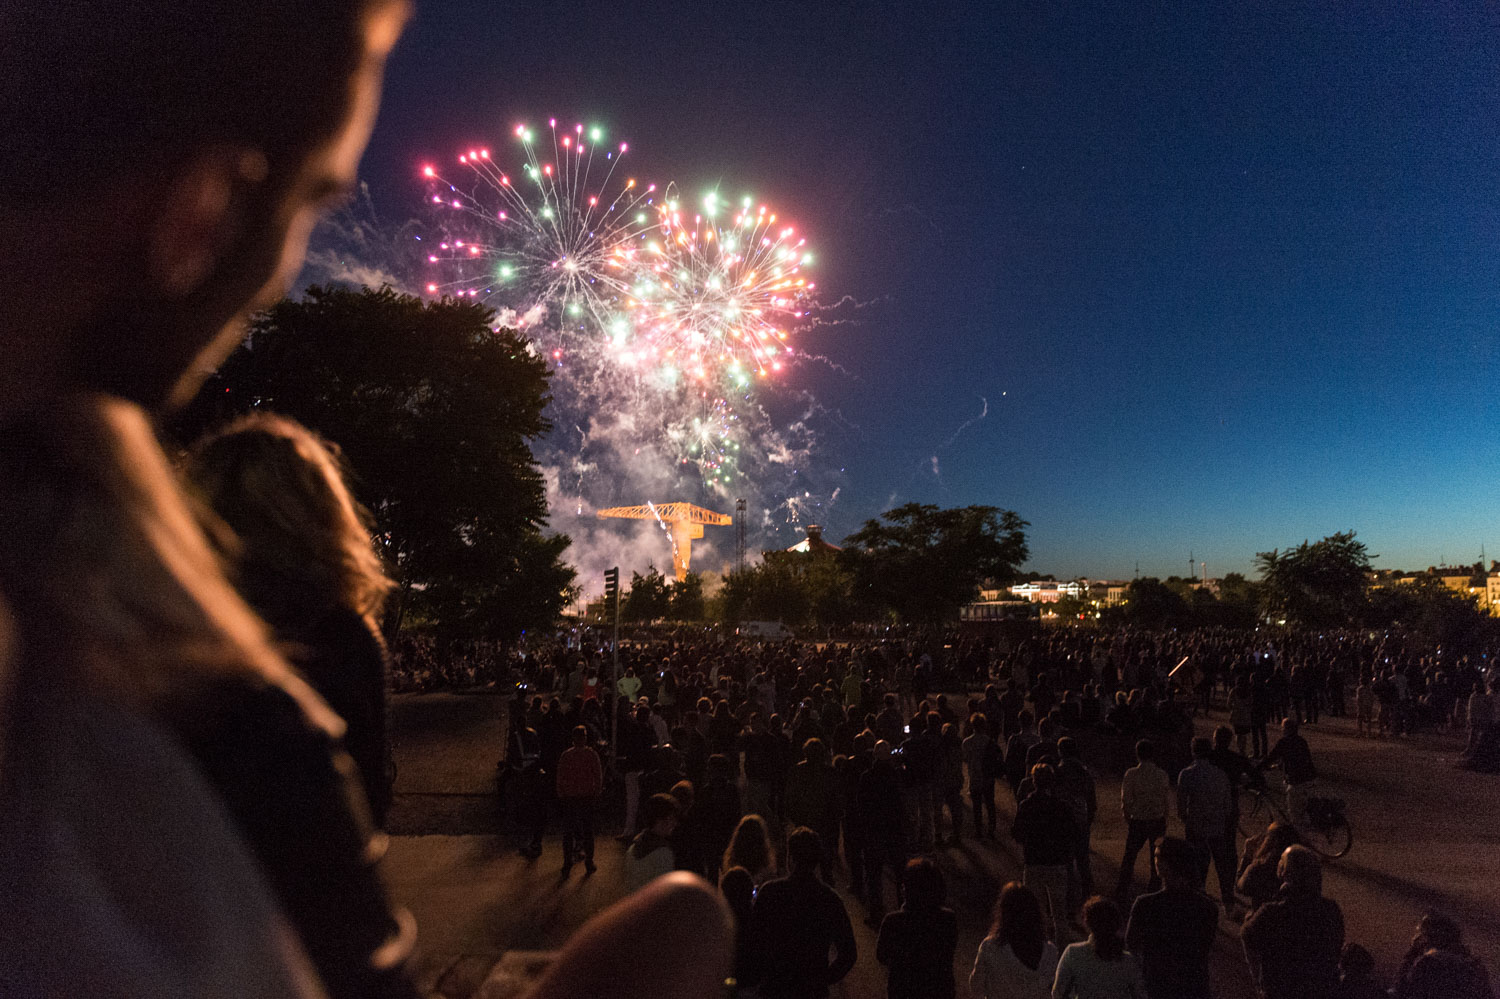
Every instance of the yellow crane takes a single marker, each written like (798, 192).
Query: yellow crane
(682, 521)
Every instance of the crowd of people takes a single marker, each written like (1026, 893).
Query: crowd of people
(843, 765)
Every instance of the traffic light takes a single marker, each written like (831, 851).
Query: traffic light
(612, 584)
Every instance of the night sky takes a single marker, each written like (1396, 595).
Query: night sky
(1226, 279)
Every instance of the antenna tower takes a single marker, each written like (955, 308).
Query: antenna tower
(739, 535)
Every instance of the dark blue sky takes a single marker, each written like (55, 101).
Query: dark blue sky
(1228, 280)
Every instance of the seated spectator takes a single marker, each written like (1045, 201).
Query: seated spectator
(1438, 965)
(1293, 942)
(1259, 880)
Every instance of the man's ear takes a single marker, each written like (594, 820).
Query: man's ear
(201, 217)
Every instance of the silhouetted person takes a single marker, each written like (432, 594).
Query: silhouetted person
(917, 942)
(1293, 941)
(796, 921)
(302, 556)
(1172, 931)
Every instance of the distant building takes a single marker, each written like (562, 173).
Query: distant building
(814, 544)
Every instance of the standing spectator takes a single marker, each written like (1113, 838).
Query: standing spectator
(762, 769)
(738, 889)
(629, 685)
(920, 765)
(1241, 711)
(1293, 942)
(796, 921)
(812, 800)
(1364, 708)
(1238, 768)
(1045, 830)
(1172, 931)
(1077, 790)
(917, 943)
(980, 752)
(1143, 798)
(1016, 960)
(580, 782)
(719, 811)
(1099, 967)
(1017, 747)
(750, 848)
(879, 802)
(951, 780)
(1205, 804)
(650, 854)
(1439, 966)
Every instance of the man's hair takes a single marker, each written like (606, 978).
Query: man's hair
(1067, 747)
(1043, 777)
(659, 807)
(1202, 748)
(1177, 855)
(804, 849)
(1145, 750)
(1222, 736)
(1300, 868)
(98, 90)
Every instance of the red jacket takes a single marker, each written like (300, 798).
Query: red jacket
(580, 774)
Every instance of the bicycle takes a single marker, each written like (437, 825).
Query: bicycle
(1326, 829)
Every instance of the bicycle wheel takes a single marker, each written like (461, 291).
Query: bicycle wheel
(1254, 813)
(1333, 840)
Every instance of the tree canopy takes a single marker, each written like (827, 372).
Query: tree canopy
(924, 563)
(1317, 583)
(434, 411)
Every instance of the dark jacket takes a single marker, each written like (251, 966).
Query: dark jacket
(294, 793)
(794, 923)
(1172, 933)
(1045, 829)
(1294, 941)
(918, 949)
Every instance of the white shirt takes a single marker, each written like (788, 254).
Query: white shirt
(1083, 974)
(999, 974)
(1144, 791)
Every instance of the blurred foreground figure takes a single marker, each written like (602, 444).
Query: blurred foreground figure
(303, 560)
(178, 816)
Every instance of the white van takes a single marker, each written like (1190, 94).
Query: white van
(768, 631)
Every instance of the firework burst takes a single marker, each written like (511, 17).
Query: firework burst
(656, 313)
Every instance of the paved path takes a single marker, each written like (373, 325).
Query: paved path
(1425, 835)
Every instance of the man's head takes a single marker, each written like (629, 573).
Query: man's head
(804, 850)
(580, 735)
(1202, 749)
(660, 814)
(1300, 870)
(1043, 778)
(165, 162)
(1067, 748)
(1145, 750)
(1288, 725)
(1223, 735)
(1175, 860)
